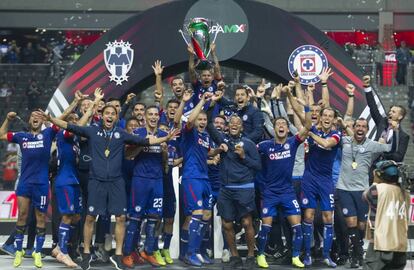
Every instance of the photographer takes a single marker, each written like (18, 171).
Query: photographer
(388, 219)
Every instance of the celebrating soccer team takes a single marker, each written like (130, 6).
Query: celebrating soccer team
(260, 158)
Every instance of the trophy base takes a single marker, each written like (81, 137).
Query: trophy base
(204, 64)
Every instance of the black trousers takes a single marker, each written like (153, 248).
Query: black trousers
(378, 260)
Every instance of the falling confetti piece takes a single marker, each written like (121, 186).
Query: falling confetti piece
(72, 17)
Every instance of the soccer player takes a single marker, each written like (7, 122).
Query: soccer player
(208, 80)
(128, 171)
(236, 201)
(106, 187)
(147, 192)
(169, 200)
(317, 182)
(67, 187)
(278, 159)
(252, 118)
(33, 184)
(358, 153)
(195, 145)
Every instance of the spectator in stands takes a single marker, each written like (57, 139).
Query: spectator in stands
(33, 94)
(13, 54)
(9, 171)
(403, 58)
(363, 56)
(28, 54)
(5, 93)
(379, 58)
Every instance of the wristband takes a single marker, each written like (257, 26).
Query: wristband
(325, 84)
(350, 95)
(307, 109)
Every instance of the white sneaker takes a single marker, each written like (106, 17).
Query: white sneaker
(108, 242)
(225, 257)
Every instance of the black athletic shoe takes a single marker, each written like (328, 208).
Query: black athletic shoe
(85, 264)
(235, 263)
(354, 263)
(116, 260)
(342, 259)
(250, 263)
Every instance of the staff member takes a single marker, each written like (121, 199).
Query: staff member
(388, 219)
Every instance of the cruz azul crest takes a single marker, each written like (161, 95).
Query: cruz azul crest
(118, 57)
(308, 61)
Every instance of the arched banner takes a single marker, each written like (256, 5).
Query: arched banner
(252, 36)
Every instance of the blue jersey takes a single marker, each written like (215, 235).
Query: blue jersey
(173, 152)
(199, 90)
(165, 121)
(148, 163)
(195, 146)
(68, 153)
(319, 160)
(35, 154)
(277, 164)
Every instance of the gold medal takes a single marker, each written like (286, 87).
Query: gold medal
(354, 165)
(107, 152)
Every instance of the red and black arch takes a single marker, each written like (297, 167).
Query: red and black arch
(269, 35)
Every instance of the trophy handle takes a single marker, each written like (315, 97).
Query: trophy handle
(214, 41)
(182, 34)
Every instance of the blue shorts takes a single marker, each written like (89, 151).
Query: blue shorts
(287, 201)
(146, 197)
(69, 199)
(169, 203)
(37, 193)
(196, 195)
(312, 193)
(352, 204)
(106, 197)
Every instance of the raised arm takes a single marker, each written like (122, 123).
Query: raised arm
(126, 105)
(72, 105)
(303, 133)
(325, 143)
(193, 116)
(217, 70)
(191, 68)
(350, 88)
(159, 90)
(373, 108)
(5, 126)
(187, 95)
(311, 89)
(298, 86)
(86, 117)
(324, 76)
(295, 105)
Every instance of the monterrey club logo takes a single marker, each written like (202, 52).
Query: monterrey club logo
(308, 61)
(118, 58)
